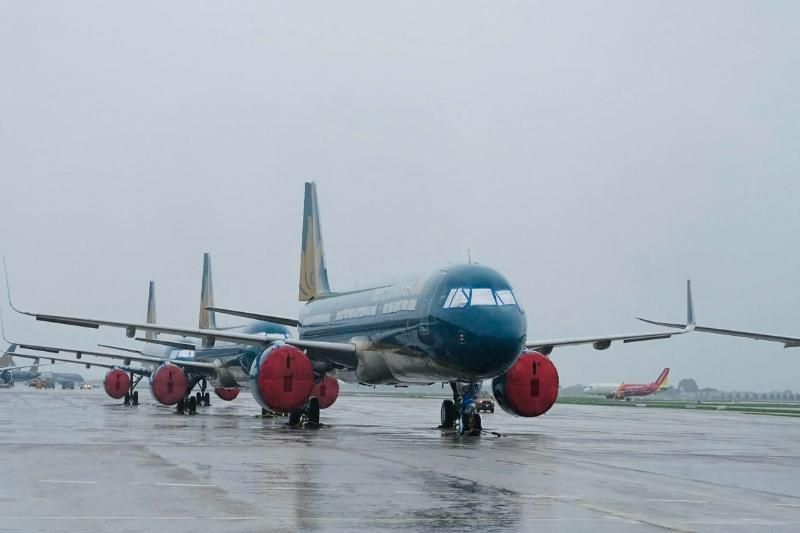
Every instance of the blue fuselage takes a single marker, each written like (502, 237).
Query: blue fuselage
(447, 326)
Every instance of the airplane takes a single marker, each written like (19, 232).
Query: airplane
(458, 324)
(121, 380)
(11, 373)
(619, 391)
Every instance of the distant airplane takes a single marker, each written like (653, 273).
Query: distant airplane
(11, 373)
(458, 324)
(619, 391)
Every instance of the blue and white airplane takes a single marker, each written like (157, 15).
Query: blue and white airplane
(459, 325)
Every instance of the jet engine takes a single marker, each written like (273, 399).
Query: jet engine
(529, 388)
(227, 393)
(281, 378)
(168, 383)
(116, 383)
(326, 391)
(7, 378)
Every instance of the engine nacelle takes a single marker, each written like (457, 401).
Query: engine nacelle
(281, 378)
(227, 393)
(116, 383)
(529, 388)
(7, 378)
(326, 391)
(168, 383)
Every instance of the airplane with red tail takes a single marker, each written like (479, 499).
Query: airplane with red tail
(619, 391)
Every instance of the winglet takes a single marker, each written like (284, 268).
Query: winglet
(690, 323)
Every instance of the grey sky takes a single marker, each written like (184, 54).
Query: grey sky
(596, 153)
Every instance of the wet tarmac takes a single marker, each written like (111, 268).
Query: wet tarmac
(79, 461)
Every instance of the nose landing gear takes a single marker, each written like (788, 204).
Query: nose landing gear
(460, 412)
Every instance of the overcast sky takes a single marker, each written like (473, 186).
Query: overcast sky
(596, 153)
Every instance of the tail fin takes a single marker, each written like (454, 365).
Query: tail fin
(313, 273)
(663, 379)
(151, 309)
(7, 359)
(208, 319)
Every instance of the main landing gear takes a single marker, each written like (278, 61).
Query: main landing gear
(460, 413)
(203, 397)
(308, 415)
(187, 405)
(132, 396)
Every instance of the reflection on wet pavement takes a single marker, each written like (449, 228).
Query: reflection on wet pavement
(77, 460)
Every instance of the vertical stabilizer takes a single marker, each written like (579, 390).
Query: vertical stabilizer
(313, 273)
(7, 359)
(151, 309)
(208, 319)
(662, 380)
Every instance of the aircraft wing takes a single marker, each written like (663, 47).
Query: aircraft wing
(601, 342)
(293, 322)
(19, 367)
(788, 342)
(124, 357)
(89, 364)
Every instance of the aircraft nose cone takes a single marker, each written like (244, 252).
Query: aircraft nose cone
(483, 341)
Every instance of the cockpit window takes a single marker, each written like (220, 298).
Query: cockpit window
(505, 297)
(482, 297)
(457, 298)
(466, 296)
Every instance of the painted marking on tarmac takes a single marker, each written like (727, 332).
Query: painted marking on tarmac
(70, 481)
(664, 500)
(200, 485)
(794, 505)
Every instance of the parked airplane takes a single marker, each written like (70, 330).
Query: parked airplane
(459, 324)
(11, 373)
(121, 380)
(618, 391)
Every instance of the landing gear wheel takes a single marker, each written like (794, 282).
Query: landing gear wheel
(198, 398)
(127, 399)
(135, 398)
(180, 406)
(192, 405)
(208, 399)
(448, 414)
(295, 417)
(312, 411)
(471, 424)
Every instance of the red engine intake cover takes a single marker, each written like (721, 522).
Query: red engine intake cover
(116, 383)
(326, 391)
(529, 388)
(168, 384)
(227, 394)
(283, 378)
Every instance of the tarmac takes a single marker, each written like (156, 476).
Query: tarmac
(80, 461)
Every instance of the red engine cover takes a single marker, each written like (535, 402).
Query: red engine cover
(228, 394)
(326, 391)
(530, 387)
(116, 383)
(284, 378)
(168, 384)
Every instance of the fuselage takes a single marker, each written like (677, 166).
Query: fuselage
(457, 324)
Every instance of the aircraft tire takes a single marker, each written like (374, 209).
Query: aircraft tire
(180, 406)
(448, 414)
(198, 398)
(192, 405)
(135, 397)
(127, 399)
(208, 399)
(295, 417)
(313, 411)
